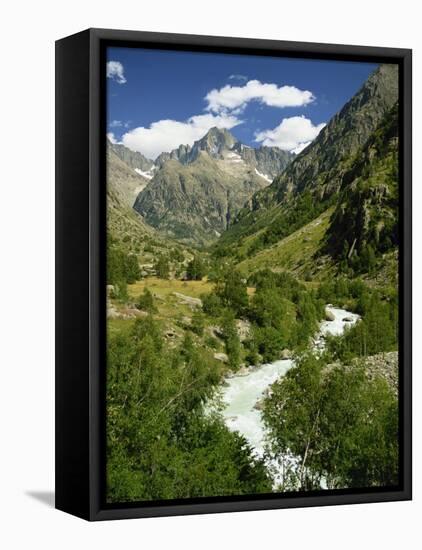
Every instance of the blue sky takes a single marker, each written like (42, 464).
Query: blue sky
(159, 99)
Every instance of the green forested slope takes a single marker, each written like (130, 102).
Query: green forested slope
(364, 224)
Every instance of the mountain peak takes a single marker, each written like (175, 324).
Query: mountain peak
(215, 131)
(220, 144)
(215, 141)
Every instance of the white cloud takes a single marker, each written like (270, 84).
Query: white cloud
(240, 77)
(116, 124)
(237, 97)
(112, 137)
(115, 71)
(292, 134)
(165, 135)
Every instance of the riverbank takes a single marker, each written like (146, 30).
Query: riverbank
(241, 393)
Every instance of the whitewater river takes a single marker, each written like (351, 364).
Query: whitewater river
(242, 392)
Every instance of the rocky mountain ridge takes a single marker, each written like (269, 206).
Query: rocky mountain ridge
(135, 160)
(221, 144)
(195, 202)
(312, 182)
(197, 191)
(321, 165)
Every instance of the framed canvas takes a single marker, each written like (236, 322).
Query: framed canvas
(233, 274)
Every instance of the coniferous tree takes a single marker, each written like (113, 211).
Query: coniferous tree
(162, 267)
(233, 292)
(196, 269)
(146, 301)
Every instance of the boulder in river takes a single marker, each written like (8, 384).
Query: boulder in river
(347, 319)
(286, 354)
(243, 371)
(259, 405)
(329, 315)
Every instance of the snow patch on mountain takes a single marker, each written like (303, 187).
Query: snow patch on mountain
(234, 157)
(149, 174)
(267, 178)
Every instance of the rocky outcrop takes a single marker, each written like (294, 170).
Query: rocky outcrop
(125, 312)
(259, 405)
(215, 142)
(243, 329)
(188, 300)
(385, 365)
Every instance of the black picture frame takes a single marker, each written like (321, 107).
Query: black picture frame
(80, 272)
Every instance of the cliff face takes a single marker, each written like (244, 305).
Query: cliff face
(366, 214)
(321, 165)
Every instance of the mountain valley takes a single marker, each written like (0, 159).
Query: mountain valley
(231, 265)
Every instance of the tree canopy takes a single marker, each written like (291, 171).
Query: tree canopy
(335, 441)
